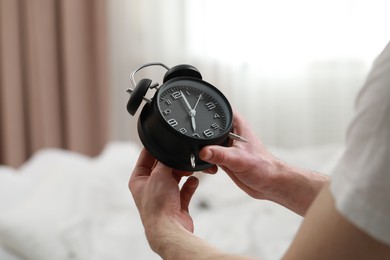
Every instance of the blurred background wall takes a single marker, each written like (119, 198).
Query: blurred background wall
(292, 68)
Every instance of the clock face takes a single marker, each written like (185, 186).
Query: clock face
(194, 108)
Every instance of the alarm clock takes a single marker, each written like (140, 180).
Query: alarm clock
(185, 114)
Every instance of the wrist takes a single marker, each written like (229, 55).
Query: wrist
(296, 188)
(171, 241)
(160, 233)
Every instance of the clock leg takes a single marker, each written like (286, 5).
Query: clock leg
(192, 160)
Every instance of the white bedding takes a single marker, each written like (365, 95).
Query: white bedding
(62, 205)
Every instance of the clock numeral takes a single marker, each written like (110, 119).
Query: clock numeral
(167, 111)
(214, 126)
(216, 116)
(208, 133)
(168, 102)
(176, 95)
(188, 93)
(172, 122)
(183, 130)
(196, 135)
(210, 106)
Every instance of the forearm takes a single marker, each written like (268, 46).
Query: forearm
(174, 242)
(296, 188)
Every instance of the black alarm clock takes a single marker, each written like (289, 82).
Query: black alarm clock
(185, 114)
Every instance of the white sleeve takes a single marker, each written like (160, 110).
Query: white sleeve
(361, 181)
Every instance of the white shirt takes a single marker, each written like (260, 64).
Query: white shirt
(361, 181)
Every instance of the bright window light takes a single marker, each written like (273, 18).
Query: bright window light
(284, 32)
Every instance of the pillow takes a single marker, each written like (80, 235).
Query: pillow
(32, 227)
(75, 208)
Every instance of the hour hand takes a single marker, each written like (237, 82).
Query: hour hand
(197, 101)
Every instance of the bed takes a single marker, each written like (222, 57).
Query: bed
(63, 205)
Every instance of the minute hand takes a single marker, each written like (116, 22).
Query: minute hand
(192, 112)
(186, 101)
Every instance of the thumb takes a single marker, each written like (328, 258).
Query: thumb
(219, 155)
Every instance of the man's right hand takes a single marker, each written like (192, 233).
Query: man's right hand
(260, 174)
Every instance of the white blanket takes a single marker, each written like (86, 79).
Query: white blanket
(62, 205)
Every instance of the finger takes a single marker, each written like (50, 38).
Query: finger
(178, 174)
(144, 164)
(142, 169)
(212, 170)
(177, 178)
(187, 191)
(182, 173)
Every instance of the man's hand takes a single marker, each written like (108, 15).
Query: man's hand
(249, 164)
(159, 200)
(260, 174)
(164, 211)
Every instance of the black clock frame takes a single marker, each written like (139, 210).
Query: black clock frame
(171, 147)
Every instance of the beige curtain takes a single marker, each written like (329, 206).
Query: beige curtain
(53, 77)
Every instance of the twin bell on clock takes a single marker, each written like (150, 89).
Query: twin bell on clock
(185, 114)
